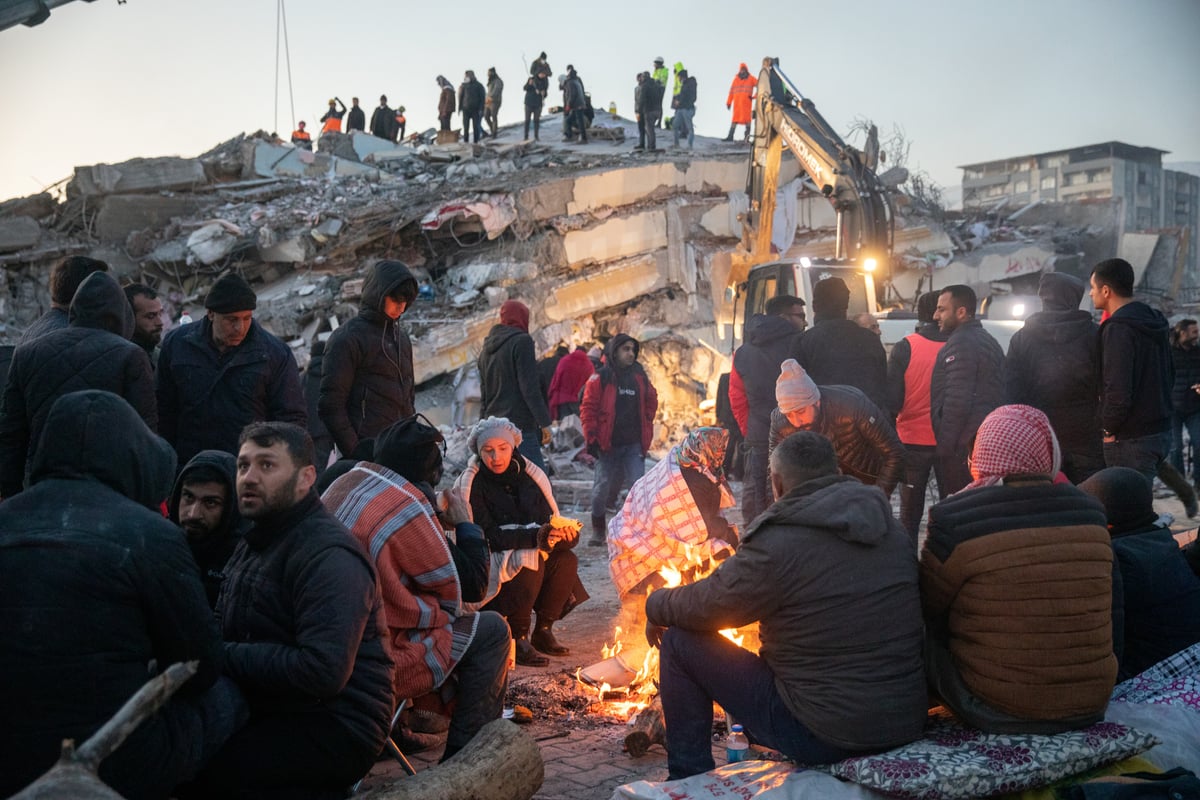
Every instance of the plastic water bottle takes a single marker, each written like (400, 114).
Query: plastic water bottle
(737, 746)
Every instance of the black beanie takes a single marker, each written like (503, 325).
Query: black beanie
(230, 294)
(830, 296)
(410, 448)
(1126, 496)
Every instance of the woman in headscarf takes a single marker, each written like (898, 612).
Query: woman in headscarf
(1016, 588)
(533, 568)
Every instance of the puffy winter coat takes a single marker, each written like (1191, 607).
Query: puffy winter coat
(446, 102)
(768, 340)
(597, 412)
(1135, 397)
(93, 352)
(832, 579)
(303, 622)
(866, 444)
(967, 385)
(97, 590)
(686, 98)
(741, 97)
(508, 378)
(839, 351)
(53, 320)
(206, 397)
(367, 374)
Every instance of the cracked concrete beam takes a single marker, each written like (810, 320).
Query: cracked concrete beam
(137, 175)
(613, 286)
(622, 187)
(616, 238)
(443, 350)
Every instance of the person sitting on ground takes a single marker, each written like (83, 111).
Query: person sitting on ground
(1159, 591)
(1016, 587)
(533, 568)
(204, 504)
(831, 576)
(388, 503)
(866, 444)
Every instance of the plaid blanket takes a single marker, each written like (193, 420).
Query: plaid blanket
(422, 599)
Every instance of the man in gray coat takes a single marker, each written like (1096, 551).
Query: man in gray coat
(832, 578)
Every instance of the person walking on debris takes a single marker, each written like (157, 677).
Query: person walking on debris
(204, 504)
(495, 95)
(445, 103)
(399, 125)
(830, 576)
(508, 379)
(356, 119)
(471, 98)
(534, 95)
(662, 75)
(65, 278)
(684, 106)
(618, 410)
(575, 106)
(741, 101)
(332, 118)
(301, 137)
(383, 120)
(367, 382)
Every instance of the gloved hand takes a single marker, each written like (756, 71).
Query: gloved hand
(728, 106)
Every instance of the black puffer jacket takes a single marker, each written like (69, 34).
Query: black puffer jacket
(508, 379)
(510, 498)
(367, 374)
(1053, 364)
(840, 352)
(93, 352)
(967, 385)
(866, 444)
(471, 96)
(206, 397)
(303, 623)
(212, 550)
(768, 340)
(1135, 397)
(53, 320)
(1184, 399)
(96, 589)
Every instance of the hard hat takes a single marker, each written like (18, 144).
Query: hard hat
(400, 109)
(331, 102)
(659, 60)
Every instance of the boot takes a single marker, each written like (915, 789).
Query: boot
(543, 639)
(729, 138)
(1179, 485)
(528, 657)
(599, 533)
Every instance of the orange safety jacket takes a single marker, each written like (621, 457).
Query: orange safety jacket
(333, 122)
(741, 97)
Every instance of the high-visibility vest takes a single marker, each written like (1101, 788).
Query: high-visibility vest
(300, 137)
(913, 423)
(332, 123)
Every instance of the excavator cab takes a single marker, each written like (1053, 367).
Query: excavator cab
(797, 278)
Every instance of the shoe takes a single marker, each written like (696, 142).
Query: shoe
(598, 540)
(728, 138)
(639, 147)
(528, 657)
(543, 639)
(1191, 507)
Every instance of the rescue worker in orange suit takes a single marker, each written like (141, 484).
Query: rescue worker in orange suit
(400, 123)
(741, 101)
(300, 137)
(333, 117)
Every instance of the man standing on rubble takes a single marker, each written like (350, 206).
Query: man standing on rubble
(832, 579)
(508, 378)
(367, 379)
(575, 105)
(535, 93)
(383, 120)
(649, 111)
(332, 118)
(445, 103)
(741, 101)
(684, 106)
(662, 75)
(618, 410)
(491, 107)
(471, 98)
(356, 119)
(64, 281)
(219, 374)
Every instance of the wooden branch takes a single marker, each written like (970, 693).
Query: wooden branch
(648, 728)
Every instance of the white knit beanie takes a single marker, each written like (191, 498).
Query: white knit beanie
(493, 428)
(794, 389)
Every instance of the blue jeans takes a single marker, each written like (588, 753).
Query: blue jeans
(917, 463)
(482, 676)
(697, 669)
(531, 447)
(1192, 423)
(681, 122)
(756, 488)
(620, 466)
(1141, 453)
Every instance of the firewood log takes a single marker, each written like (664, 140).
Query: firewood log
(648, 728)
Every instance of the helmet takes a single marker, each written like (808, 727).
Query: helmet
(331, 102)
(659, 60)
(400, 109)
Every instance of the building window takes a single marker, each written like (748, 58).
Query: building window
(1100, 176)
(1049, 182)
(1021, 187)
(1054, 161)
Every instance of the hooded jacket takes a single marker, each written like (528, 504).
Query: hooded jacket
(741, 96)
(768, 340)
(832, 579)
(839, 351)
(508, 379)
(471, 96)
(570, 376)
(213, 550)
(367, 379)
(597, 412)
(93, 352)
(107, 587)
(1135, 397)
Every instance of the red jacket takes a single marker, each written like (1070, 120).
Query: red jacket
(599, 405)
(569, 378)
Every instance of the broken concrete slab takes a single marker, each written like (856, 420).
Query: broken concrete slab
(19, 233)
(287, 251)
(329, 229)
(121, 215)
(444, 349)
(211, 243)
(622, 187)
(617, 284)
(37, 206)
(364, 144)
(137, 175)
(617, 238)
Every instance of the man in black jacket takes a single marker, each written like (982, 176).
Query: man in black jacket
(836, 350)
(684, 106)
(147, 318)
(367, 372)
(93, 352)
(508, 380)
(967, 383)
(219, 374)
(1185, 396)
(303, 624)
(356, 119)
(98, 593)
(575, 104)
(64, 282)
(204, 504)
(1135, 397)
(1053, 364)
(383, 120)
(471, 98)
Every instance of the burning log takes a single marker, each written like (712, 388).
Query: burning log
(502, 762)
(648, 729)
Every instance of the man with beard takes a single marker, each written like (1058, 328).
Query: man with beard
(147, 318)
(303, 625)
(204, 504)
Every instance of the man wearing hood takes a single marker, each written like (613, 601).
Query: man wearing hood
(1053, 364)
(752, 390)
(445, 102)
(832, 579)
(204, 504)
(367, 379)
(617, 412)
(741, 101)
(220, 373)
(64, 282)
(1135, 383)
(93, 352)
(98, 593)
(508, 378)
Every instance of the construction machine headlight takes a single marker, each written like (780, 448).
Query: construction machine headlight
(806, 262)
(869, 265)
(1018, 310)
